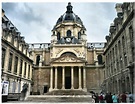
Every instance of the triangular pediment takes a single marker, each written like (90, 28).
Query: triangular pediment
(68, 58)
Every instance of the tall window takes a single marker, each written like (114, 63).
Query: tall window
(79, 35)
(121, 65)
(113, 54)
(131, 33)
(100, 59)
(116, 51)
(29, 72)
(10, 62)
(16, 65)
(3, 57)
(117, 65)
(21, 63)
(58, 36)
(119, 45)
(123, 43)
(14, 87)
(125, 59)
(25, 68)
(37, 60)
(68, 33)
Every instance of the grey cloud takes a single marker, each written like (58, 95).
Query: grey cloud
(9, 7)
(38, 19)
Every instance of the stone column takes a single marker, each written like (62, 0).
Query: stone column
(84, 79)
(23, 68)
(72, 77)
(56, 79)
(31, 72)
(27, 71)
(63, 77)
(16, 90)
(6, 59)
(51, 79)
(80, 87)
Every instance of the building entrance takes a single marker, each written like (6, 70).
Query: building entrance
(45, 89)
(68, 82)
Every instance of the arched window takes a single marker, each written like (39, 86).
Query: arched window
(68, 53)
(100, 59)
(79, 35)
(58, 36)
(37, 60)
(68, 33)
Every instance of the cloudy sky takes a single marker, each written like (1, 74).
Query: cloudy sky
(36, 20)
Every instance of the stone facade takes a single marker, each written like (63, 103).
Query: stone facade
(119, 51)
(16, 59)
(68, 62)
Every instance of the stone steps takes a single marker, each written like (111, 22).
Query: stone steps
(59, 98)
(67, 92)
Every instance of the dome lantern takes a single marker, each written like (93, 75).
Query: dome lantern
(69, 8)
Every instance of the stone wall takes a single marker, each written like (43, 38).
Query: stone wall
(41, 78)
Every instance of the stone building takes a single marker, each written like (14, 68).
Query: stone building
(68, 62)
(16, 62)
(119, 51)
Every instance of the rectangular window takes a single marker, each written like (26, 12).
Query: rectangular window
(10, 62)
(117, 65)
(3, 57)
(123, 43)
(16, 65)
(131, 33)
(121, 65)
(25, 68)
(125, 59)
(119, 45)
(29, 72)
(116, 51)
(113, 54)
(21, 64)
(19, 87)
(13, 87)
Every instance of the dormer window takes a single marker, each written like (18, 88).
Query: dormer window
(58, 36)
(68, 33)
(53, 33)
(79, 35)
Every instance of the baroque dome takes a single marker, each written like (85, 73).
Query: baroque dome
(69, 16)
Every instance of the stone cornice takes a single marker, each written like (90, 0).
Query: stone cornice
(120, 31)
(14, 48)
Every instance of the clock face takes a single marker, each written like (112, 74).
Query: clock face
(68, 39)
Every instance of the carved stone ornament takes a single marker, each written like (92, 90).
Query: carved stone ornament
(59, 50)
(68, 59)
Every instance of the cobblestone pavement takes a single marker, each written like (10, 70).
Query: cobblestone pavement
(58, 99)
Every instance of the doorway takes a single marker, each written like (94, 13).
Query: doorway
(45, 89)
(68, 82)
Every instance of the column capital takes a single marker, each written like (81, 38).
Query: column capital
(79, 66)
(72, 66)
(83, 67)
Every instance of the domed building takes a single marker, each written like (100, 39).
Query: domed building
(68, 63)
